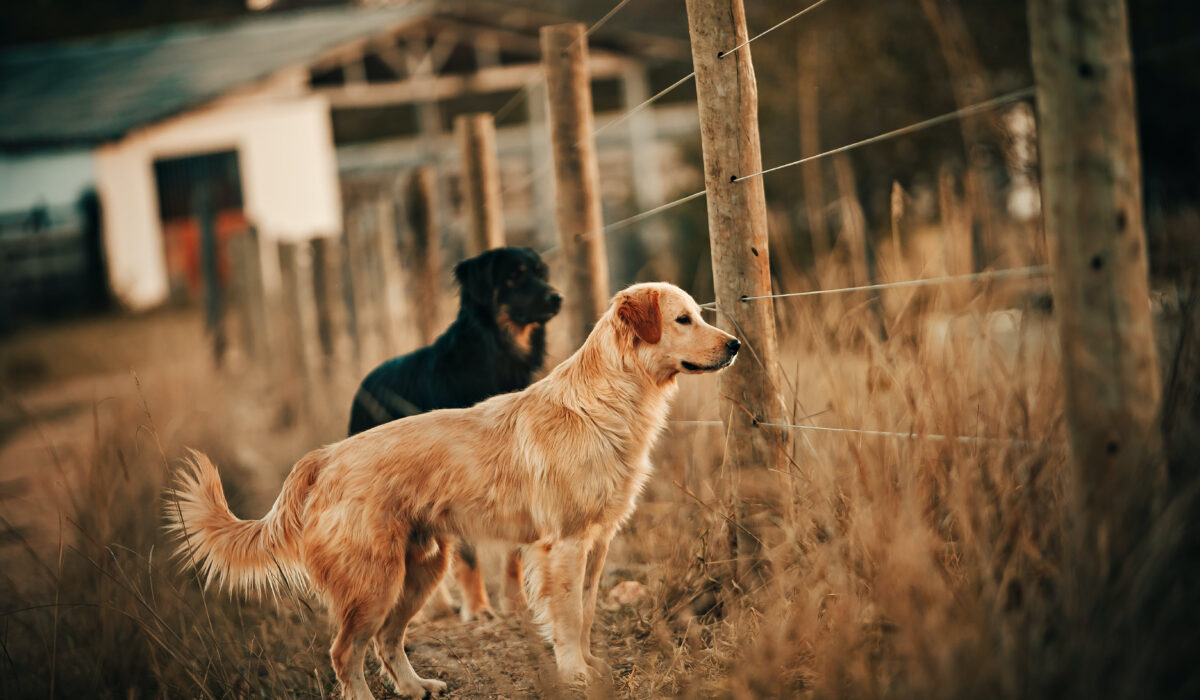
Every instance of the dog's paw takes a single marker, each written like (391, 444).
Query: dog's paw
(433, 688)
(598, 667)
(420, 688)
(482, 613)
(576, 677)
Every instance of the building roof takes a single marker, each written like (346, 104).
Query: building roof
(90, 91)
(96, 90)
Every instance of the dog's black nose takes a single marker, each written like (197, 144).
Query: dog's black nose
(732, 345)
(554, 299)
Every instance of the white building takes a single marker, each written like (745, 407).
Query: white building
(245, 109)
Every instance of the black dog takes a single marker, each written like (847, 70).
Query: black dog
(495, 346)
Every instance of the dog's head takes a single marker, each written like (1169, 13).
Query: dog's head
(509, 283)
(663, 325)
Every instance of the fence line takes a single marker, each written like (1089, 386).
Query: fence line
(968, 439)
(1015, 96)
(524, 91)
(547, 166)
(1034, 271)
(756, 37)
(600, 22)
(940, 119)
(632, 219)
(634, 110)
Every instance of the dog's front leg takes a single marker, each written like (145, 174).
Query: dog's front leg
(563, 589)
(591, 585)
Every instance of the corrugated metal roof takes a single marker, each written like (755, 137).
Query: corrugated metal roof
(98, 90)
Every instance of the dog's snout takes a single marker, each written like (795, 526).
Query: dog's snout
(732, 345)
(554, 299)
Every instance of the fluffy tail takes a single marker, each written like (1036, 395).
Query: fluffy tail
(242, 555)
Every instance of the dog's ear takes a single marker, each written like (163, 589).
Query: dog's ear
(639, 310)
(475, 277)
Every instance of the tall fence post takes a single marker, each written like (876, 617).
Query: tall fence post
(476, 136)
(250, 296)
(210, 267)
(737, 227)
(361, 273)
(296, 293)
(1092, 204)
(576, 175)
(387, 264)
(326, 277)
(809, 56)
(421, 209)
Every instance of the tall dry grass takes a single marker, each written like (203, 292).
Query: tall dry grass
(898, 566)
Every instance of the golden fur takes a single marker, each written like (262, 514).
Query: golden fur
(558, 467)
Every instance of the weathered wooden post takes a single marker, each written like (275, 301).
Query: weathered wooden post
(737, 224)
(246, 258)
(214, 295)
(296, 293)
(810, 144)
(361, 273)
(421, 208)
(387, 264)
(476, 135)
(326, 277)
(1092, 204)
(576, 174)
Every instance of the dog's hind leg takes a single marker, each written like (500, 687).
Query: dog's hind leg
(514, 588)
(470, 579)
(358, 619)
(425, 565)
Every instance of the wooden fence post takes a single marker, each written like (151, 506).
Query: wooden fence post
(1092, 204)
(737, 227)
(576, 174)
(476, 135)
(809, 55)
(361, 273)
(421, 209)
(387, 265)
(327, 277)
(296, 293)
(250, 295)
(214, 295)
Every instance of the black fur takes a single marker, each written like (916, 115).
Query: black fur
(478, 356)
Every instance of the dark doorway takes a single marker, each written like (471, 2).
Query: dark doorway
(186, 184)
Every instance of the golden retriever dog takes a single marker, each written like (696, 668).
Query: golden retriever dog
(558, 467)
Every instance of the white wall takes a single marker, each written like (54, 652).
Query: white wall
(289, 181)
(52, 178)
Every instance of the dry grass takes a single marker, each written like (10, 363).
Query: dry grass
(898, 567)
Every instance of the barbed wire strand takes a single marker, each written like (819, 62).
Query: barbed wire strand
(1015, 96)
(515, 99)
(756, 37)
(632, 219)
(600, 22)
(970, 439)
(1035, 271)
(548, 165)
(883, 433)
(634, 110)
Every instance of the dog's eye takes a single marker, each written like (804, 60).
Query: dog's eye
(684, 319)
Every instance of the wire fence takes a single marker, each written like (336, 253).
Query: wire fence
(961, 113)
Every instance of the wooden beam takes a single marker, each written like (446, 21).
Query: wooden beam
(427, 88)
